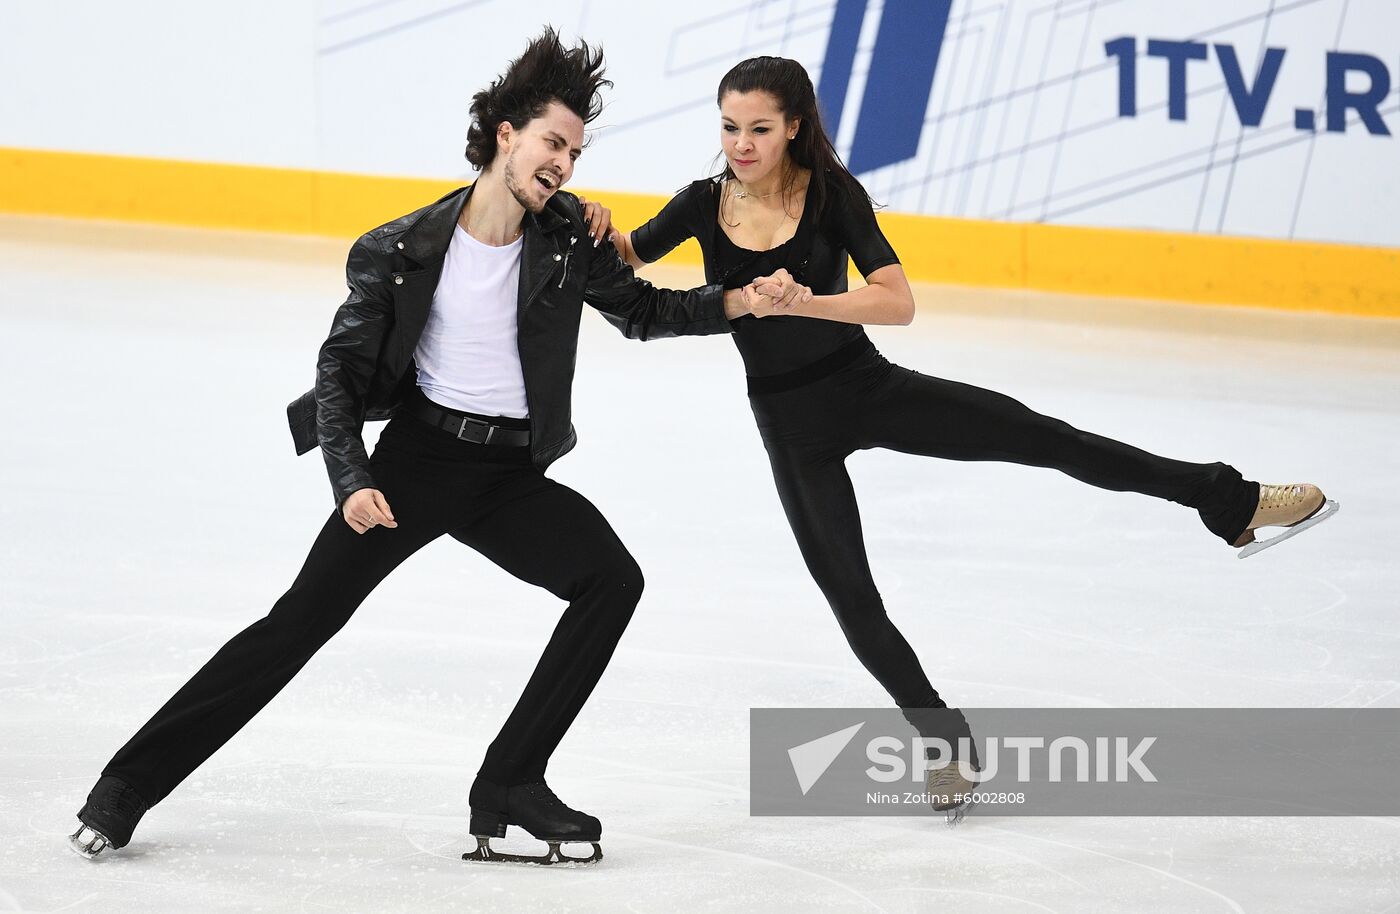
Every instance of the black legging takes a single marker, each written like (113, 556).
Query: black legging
(811, 430)
(490, 498)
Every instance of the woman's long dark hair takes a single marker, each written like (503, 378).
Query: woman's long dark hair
(787, 81)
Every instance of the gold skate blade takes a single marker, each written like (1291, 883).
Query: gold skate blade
(1328, 508)
(554, 856)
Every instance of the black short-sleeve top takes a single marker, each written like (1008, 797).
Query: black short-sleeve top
(816, 256)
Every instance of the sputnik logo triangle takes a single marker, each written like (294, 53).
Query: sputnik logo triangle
(811, 759)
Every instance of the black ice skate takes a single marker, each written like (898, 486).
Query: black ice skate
(1295, 507)
(535, 808)
(108, 817)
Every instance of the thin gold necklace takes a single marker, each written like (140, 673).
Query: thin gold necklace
(741, 194)
(518, 230)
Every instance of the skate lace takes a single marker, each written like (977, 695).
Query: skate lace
(540, 790)
(1274, 497)
(946, 776)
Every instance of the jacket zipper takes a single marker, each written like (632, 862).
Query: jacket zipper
(544, 280)
(573, 239)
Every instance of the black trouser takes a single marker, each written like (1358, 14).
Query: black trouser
(811, 430)
(489, 497)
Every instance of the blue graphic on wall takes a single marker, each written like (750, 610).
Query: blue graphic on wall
(890, 118)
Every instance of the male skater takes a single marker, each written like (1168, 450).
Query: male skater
(461, 325)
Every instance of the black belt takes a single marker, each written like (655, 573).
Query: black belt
(466, 428)
(823, 367)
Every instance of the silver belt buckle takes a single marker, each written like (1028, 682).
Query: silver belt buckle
(467, 422)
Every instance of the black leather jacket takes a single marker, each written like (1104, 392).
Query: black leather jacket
(366, 364)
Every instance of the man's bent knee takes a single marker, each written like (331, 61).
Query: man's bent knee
(619, 576)
(624, 576)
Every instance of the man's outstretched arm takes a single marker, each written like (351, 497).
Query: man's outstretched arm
(643, 312)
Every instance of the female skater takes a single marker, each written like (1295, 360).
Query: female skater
(780, 222)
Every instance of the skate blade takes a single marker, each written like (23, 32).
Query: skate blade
(955, 814)
(1329, 508)
(87, 843)
(485, 853)
(957, 802)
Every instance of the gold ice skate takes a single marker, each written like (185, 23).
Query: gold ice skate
(950, 791)
(1296, 506)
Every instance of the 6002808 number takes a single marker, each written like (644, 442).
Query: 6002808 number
(976, 796)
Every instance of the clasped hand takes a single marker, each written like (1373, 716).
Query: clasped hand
(776, 294)
(765, 296)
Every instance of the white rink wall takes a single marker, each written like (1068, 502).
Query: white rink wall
(1020, 119)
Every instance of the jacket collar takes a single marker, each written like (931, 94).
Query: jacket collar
(427, 237)
(552, 219)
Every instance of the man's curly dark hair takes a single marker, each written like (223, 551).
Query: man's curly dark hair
(546, 72)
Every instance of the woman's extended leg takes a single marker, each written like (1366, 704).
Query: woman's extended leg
(933, 417)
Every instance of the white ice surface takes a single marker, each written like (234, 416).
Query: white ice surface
(152, 507)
